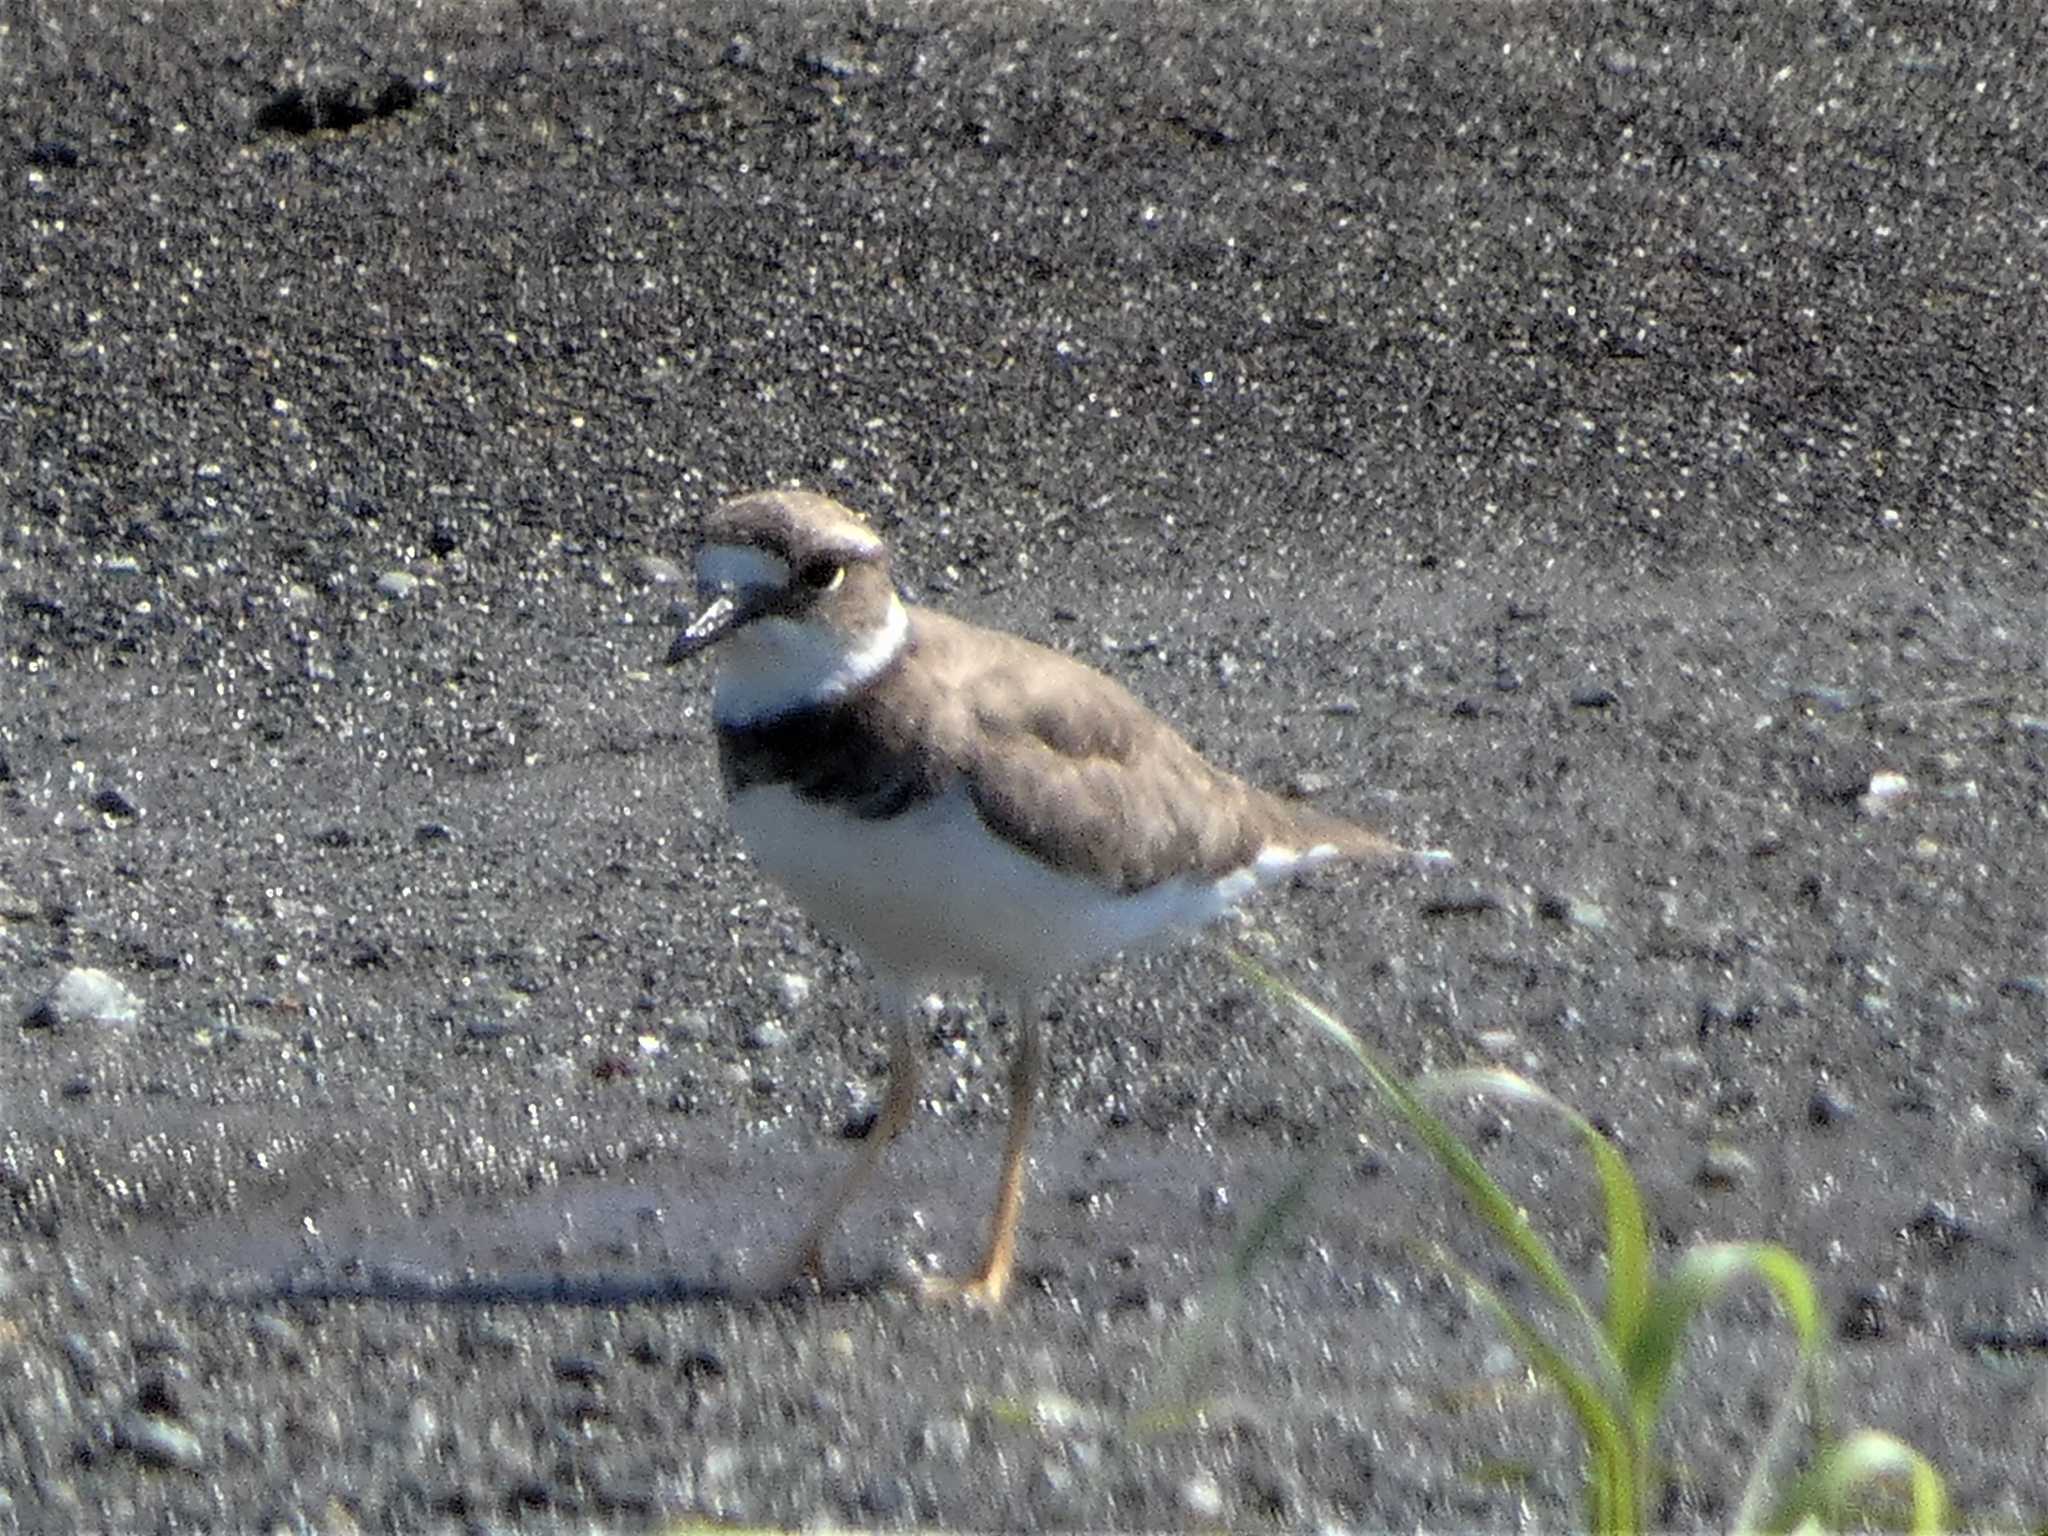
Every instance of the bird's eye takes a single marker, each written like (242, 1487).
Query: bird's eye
(822, 575)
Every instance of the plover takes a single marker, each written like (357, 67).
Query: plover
(957, 804)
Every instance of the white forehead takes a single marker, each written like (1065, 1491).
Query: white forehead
(857, 539)
(747, 567)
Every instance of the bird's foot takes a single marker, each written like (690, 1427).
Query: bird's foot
(984, 1290)
(797, 1272)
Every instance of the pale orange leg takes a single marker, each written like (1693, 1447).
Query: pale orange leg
(986, 1285)
(898, 1104)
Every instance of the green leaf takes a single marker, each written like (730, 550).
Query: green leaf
(1614, 1491)
(1825, 1496)
(1509, 1223)
(1636, 1349)
(1699, 1277)
(1628, 1230)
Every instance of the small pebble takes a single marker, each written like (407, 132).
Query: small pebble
(1940, 1226)
(691, 1026)
(85, 996)
(1717, 1015)
(1886, 790)
(1573, 911)
(1201, 1497)
(1594, 696)
(838, 64)
(1831, 701)
(160, 1344)
(158, 1443)
(1828, 1107)
(485, 1338)
(277, 1335)
(161, 1393)
(398, 585)
(1866, 1316)
(111, 802)
(794, 988)
(657, 571)
(1472, 901)
(1724, 1168)
(768, 1035)
(584, 1370)
(1736, 1098)
(701, 1364)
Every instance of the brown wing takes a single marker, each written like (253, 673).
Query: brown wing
(1065, 762)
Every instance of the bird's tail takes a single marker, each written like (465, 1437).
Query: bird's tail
(1324, 837)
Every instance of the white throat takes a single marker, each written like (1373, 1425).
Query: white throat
(775, 665)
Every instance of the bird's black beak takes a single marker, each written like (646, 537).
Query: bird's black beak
(717, 619)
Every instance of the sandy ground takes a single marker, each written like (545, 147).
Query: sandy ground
(1604, 442)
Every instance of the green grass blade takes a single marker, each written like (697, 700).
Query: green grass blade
(1500, 1213)
(1172, 1406)
(1701, 1274)
(1827, 1495)
(1776, 1450)
(1628, 1230)
(1614, 1477)
(1637, 1349)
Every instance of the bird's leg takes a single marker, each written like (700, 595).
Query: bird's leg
(986, 1285)
(898, 1104)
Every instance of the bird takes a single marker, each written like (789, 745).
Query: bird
(957, 805)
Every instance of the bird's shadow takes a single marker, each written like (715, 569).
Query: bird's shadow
(408, 1286)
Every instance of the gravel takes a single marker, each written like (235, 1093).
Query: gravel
(1601, 443)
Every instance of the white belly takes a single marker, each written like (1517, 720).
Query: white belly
(932, 896)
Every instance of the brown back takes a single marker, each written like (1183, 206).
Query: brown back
(1057, 758)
